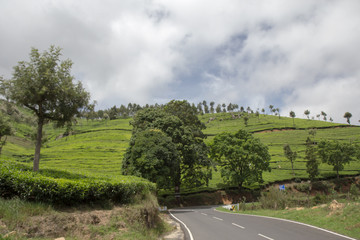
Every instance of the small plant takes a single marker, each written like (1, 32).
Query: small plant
(320, 198)
(243, 204)
(323, 186)
(302, 187)
(274, 199)
(354, 191)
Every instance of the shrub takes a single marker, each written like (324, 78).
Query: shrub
(302, 187)
(273, 199)
(323, 186)
(32, 186)
(354, 191)
(320, 198)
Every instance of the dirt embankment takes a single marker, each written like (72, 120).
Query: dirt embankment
(86, 224)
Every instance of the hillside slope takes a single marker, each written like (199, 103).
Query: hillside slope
(97, 147)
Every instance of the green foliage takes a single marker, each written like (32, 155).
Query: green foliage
(15, 211)
(323, 186)
(302, 187)
(241, 157)
(290, 155)
(45, 86)
(5, 130)
(178, 121)
(19, 181)
(312, 165)
(347, 115)
(292, 115)
(354, 191)
(336, 154)
(153, 156)
(273, 199)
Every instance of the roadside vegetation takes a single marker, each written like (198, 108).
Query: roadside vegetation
(332, 205)
(32, 220)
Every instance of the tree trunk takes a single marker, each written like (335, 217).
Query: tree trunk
(38, 145)
(240, 187)
(2, 143)
(177, 186)
(292, 167)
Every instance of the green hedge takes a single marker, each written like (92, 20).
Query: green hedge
(32, 186)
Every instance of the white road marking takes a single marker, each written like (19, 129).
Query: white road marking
(265, 237)
(238, 225)
(191, 236)
(204, 214)
(218, 218)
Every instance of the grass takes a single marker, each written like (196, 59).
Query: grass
(344, 221)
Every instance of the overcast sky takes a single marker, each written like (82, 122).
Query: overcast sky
(295, 55)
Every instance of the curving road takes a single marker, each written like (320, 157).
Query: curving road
(205, 223)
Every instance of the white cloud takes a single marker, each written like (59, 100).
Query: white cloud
(334, 97)
(252, 53)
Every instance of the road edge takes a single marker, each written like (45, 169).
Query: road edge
(183, 224)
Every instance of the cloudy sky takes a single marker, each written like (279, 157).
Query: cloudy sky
(295, 55)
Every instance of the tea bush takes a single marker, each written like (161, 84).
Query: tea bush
(27, 185)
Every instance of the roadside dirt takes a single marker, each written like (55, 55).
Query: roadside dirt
(61, 224)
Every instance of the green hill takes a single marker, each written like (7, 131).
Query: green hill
(95, 148)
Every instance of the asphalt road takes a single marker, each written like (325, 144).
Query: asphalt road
(205, 223)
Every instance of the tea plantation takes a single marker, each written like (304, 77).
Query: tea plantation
(94, 149)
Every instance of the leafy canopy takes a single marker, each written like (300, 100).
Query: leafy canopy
(45, 85)
(153, 156)
(290, 155)
(241, 157)
(178, 122)
(336, 154)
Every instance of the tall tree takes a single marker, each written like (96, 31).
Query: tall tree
(292, 115)
(45, 85)
(4, 88)
(246, 119)
(336, 154)
(241, 157)
(199, 108)
(179, 122)
(113, 113)
(224, 107)
(278, 112)
(153, 156)
(312, 165)
(263, 111)
(212, 110)
(206, 107)
(290, 155)
(218, 108)
(324, 115)
(5, 130)
(307, 113)
(271, 108)
(347, 115)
